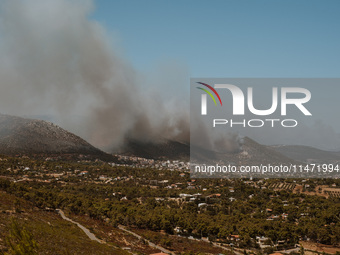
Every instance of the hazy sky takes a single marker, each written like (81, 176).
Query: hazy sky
(236, 38)
(221, 38)
(107, 70)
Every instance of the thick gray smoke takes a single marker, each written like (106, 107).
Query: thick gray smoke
(55, 60)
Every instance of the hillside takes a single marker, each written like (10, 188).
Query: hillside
(250, 152)
(102, 196)
(165, 149)
(29, 136)
(305, 153)
(254, 153)
(52, 234)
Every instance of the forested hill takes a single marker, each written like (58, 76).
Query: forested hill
(29, 136)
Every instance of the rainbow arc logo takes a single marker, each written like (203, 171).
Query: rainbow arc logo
(209, 93)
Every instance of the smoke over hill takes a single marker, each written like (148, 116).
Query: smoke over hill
(54, 59)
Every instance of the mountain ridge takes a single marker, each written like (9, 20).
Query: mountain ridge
(251, 152)
(307, 153)
(29, 136)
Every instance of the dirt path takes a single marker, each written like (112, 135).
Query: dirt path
(317, 247)
(86, 231)
(94, 238)
(150, 243)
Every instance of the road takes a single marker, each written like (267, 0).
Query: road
(227, 249)
(86, 231)
(94, 238)
(150, 243)
(216, 245)
(289, 251)
(123, 228)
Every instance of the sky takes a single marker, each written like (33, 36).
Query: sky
(234, 38)
(227, 38)
(107, 70)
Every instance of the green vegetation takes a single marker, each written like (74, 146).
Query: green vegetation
(35, 231)
(20, 241)
(225, 211)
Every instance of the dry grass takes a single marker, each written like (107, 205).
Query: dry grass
(53, 234)
(320, 247)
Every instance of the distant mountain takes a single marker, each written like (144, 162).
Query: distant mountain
(306, 153)
(30, 136)
(250, 152)
(254, 153)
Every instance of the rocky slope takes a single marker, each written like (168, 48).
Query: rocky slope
(29, 136)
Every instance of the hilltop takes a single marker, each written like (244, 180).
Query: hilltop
(30, 136)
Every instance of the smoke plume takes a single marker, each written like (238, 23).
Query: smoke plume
(55, 60)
